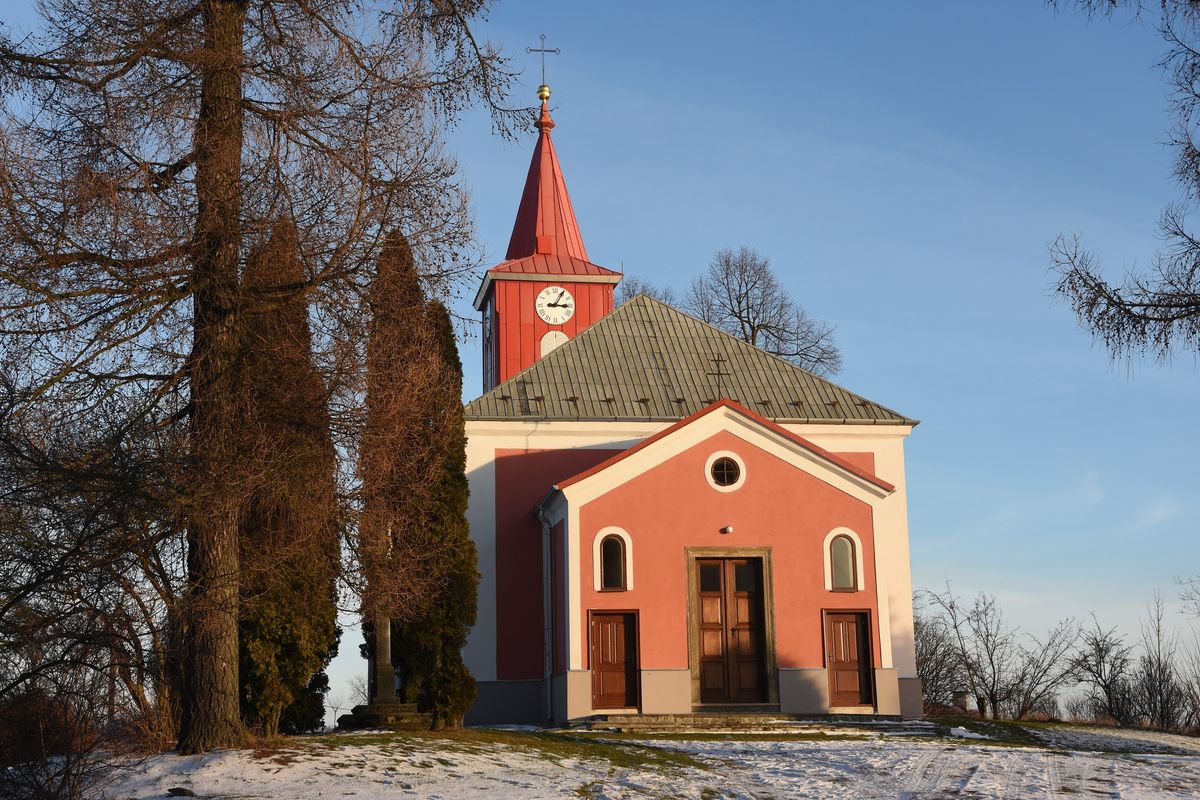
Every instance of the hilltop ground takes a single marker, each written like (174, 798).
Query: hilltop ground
(1019, 761)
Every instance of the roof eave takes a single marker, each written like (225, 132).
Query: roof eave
(477, 417)
(490, 276)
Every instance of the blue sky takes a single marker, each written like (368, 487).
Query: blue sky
(904, 166)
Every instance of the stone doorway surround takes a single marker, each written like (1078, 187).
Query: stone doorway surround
(768, 589)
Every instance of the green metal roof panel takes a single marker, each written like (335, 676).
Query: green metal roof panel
(649, 361)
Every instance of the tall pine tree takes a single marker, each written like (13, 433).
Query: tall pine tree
(288, 531)
(428, 651)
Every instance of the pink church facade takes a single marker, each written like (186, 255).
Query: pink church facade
(668, 519)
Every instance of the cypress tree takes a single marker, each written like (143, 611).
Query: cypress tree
(400, 458)
(288, 532)
(428, 651)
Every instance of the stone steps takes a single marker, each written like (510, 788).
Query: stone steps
(758, 722)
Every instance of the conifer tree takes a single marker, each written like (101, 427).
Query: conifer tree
(400, 461)
(307, 711)
(288, 531)
(428, 651)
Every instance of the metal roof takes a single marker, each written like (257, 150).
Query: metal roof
(553, 266)
(649, 361)
(545, 221)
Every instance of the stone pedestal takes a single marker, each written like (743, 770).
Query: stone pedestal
(385, 709)
(393, 715)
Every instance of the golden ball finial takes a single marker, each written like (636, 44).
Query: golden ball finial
(543, 93)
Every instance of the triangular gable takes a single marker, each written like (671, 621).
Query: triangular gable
(724, 415)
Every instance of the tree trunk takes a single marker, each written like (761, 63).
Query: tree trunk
(210, 702)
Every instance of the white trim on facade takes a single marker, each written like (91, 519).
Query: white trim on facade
(708, 465)
(859, 581)
(893, 578)
(597, 571)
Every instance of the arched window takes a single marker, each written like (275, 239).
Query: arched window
(552, 340)
(612, 560)
(841, 562)
(612, 563)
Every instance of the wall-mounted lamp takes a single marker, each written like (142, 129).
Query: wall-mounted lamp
(727, 529)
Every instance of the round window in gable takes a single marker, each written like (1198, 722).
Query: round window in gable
(725, 471)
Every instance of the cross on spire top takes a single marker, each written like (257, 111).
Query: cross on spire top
(543, 50)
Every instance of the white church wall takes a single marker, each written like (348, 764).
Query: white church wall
(891, 526)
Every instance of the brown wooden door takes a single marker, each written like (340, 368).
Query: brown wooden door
(614, 661)
(848, 658)
(729, 608)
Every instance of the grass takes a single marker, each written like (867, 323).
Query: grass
(550, 745)
(999, 732)
(732, 736)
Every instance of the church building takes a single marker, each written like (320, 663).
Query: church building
(670, 520)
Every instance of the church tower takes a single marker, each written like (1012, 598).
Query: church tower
(546, 290)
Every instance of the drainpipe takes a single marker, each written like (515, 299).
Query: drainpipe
(547, 615)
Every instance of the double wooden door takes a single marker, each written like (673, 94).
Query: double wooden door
(614, 660)
(848, 658)
(730, 625)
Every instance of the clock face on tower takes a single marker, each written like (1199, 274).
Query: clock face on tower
(555, 305)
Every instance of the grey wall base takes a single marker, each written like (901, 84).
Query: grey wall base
(912, 698)
(508, 702)
(572, 695)
(669, 691)
(887, 692)
(666, 691)
(804, 691)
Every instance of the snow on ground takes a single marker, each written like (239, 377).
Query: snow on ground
(516, 764)
(1116, 740)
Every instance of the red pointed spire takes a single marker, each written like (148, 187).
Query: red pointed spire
(545, 221)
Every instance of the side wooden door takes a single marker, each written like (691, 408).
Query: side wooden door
(848, 658)
(614, 661)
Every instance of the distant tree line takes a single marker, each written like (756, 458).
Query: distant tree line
(968, 656)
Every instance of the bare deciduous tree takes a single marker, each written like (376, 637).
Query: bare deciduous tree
(145, 147)
(1157, 311)
(740, 294)
(1189, 678)
(1158, 695)
(987, 648)
(633, 285)
(1103, 663)
(938, 664)
(1189, 593)
(1005, 672)
(1044, 668)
